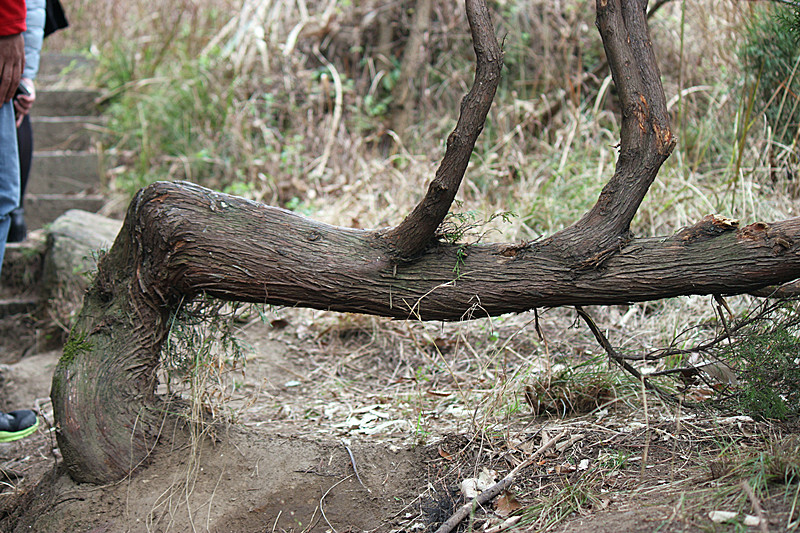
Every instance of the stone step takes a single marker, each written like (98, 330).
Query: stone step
(65, 175)
(42, 209)
(22, 266)
(64, 172)
(53, 185)
(65, 133)
(59, 69)
(66, 103)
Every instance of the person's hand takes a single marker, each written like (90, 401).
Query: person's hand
(24, 102)
(12, 61)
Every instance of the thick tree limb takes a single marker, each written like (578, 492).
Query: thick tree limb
(646, 139)
(282, 258)
(418, 229)
(180, 240)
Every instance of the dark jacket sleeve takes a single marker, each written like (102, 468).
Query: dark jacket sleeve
(56, 19)
(12, 17)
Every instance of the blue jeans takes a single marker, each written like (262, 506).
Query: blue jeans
(9, 172)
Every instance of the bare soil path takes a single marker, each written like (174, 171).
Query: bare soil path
(338, 423)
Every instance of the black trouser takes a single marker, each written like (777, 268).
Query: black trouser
(25, 142)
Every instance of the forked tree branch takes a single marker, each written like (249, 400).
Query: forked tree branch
(418, 229)
(180, 240)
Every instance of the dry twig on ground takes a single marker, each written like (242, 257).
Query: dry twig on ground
(487, 495)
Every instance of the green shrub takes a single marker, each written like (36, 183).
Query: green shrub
(768, 359)
(770, 55)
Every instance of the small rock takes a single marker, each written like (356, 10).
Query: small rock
(752, 521)
(720, 517)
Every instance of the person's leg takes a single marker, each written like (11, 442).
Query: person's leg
(16, 424)
(18, 230)
(9, 172)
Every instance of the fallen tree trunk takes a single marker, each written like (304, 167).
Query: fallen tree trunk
(180, 240)
(200, 241)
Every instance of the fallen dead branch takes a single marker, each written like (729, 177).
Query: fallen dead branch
(490, 493)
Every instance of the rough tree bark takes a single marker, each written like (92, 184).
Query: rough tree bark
(180, 240)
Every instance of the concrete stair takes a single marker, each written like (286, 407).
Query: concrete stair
(22, 274)
(65, 172)
(62, 70)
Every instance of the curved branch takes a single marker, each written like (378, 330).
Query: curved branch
(417, 231)
(646, 139)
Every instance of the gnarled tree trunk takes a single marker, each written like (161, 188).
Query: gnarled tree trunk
(180, 240)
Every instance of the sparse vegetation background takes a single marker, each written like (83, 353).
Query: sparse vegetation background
(293, 104)
(309, 105)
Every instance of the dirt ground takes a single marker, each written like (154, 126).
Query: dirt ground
(337, 424)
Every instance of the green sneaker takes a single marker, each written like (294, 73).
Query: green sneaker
(17, 424)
